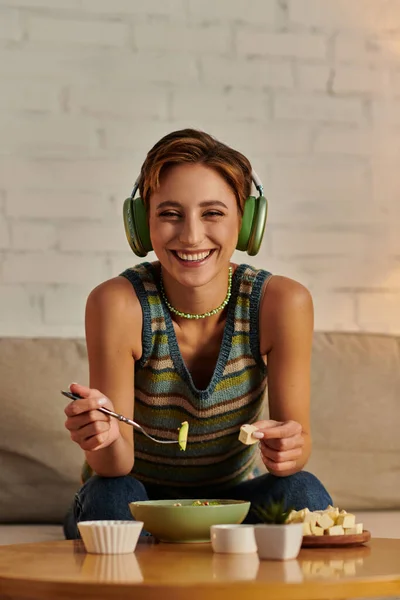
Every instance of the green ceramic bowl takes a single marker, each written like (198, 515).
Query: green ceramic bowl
(186, 523)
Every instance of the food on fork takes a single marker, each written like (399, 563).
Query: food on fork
(183, 435)
(330, 521)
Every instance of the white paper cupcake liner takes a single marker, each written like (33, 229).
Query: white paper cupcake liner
(110, 537)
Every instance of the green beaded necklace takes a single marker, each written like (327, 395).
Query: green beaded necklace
(209, 313)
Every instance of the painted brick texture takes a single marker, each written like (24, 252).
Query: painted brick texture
(308, 89)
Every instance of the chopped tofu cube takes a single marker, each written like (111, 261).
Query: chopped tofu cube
(315, 530)
(295, 517)
(246, 435)
(346, 521)
(325, 521)
(291, 516)
(335, 530)
(333, 513)
(330, 509)
(358, 528)
(311, 518)
(306, 528)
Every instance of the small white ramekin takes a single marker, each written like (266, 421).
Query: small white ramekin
(233, 539)
(110, 537)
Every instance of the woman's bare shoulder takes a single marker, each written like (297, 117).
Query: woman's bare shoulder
(115, 293)
(286, 304)
(283, 292)
(114, 306)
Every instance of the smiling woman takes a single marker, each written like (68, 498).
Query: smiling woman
(188, 338)
(194, 239)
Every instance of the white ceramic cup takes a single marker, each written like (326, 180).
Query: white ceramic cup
(233, 539)
(278, 542)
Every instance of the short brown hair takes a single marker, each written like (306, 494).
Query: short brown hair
(193, 146)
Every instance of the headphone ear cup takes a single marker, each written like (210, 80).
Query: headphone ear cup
(258, 226)
(142, 225)
(247, 223)
(253, 225)
(136, 226)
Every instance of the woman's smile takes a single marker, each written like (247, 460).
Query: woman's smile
(192, 259)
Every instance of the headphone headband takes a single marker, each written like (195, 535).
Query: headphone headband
(254, 177)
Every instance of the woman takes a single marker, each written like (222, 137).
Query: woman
(189, 338)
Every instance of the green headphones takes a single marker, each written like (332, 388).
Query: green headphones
(250, 235)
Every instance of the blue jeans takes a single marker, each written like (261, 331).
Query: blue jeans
(108, 497)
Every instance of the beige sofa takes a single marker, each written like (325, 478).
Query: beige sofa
(355, 421)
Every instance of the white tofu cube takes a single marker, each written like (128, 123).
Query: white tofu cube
(315, 530)
(325, 521)
(335, 530)
(246, 435)
(311, 518)
(346, 521)
(358, 528)
(333, 513)
(330, 509)
(295, 517)
(306, 528)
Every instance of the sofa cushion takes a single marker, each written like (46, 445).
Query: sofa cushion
(25, 534)
(355, 417)
(39, 464)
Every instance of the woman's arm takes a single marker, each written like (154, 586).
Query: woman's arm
(286, 334)
(113, 324)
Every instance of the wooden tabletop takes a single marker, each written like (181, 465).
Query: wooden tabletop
(63, 570)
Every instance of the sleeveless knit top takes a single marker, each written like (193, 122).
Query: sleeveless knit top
(165, 394)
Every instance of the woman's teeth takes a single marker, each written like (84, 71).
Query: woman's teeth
(193, 257)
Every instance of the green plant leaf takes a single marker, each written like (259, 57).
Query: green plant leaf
(273, 513)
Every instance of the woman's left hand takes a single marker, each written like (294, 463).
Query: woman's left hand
(281, 445)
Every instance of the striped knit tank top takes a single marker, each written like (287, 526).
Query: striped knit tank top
(165, 394)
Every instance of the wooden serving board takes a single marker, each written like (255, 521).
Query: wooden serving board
(329, 541)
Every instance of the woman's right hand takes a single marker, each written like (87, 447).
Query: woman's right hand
(88, 427)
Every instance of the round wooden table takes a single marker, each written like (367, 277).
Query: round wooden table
(52, 570)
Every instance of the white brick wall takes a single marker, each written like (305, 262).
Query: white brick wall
(63, 31)
(10, 25)
(308, 89)
(358, 15)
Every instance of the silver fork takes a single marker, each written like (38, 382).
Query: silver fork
(111, 413)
